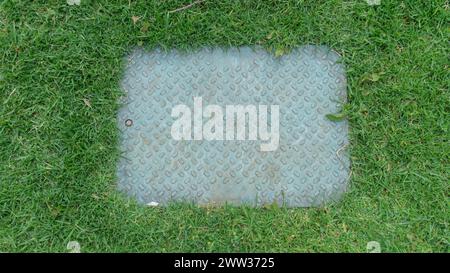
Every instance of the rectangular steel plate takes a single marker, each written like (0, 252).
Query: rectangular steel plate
(309, 167)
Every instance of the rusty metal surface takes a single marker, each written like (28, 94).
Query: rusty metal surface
(309, 167)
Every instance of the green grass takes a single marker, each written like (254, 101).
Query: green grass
(58, 155)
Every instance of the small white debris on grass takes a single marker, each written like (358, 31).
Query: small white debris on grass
(373, 247)
(87, 103)
(135, 19)
(73, 2)
(373, 2)
(153, 204)
(73, 247)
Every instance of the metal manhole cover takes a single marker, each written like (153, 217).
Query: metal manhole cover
(202, 127)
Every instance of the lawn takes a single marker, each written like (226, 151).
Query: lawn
(60, 68)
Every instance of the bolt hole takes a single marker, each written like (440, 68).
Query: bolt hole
(128, 122)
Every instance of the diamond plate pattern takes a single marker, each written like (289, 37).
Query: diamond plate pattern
(308, 168)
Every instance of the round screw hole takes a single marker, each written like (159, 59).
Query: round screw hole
(128, 122)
